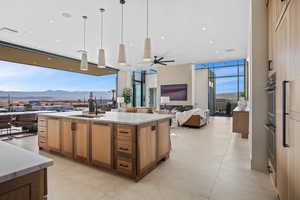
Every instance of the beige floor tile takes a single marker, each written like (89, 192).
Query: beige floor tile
(207, 163)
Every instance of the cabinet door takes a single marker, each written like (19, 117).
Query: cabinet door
(54, 135)
(67, 138)
(164, 142)
(271, 26)
(101, 142)
(293, 74)
(147, 147)
(281, 65)
(81, 140)
(280, 6)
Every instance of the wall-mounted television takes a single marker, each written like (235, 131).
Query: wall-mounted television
(177, 92)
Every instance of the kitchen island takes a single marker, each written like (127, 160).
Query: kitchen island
(130, 144)
(23, 174)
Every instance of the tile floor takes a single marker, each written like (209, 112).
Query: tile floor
(205, 164)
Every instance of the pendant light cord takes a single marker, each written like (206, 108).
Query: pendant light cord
(147, 18)
(84, 32)
(101, 44)
(122, 25)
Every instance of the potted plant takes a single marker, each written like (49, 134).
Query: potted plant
(127, 93)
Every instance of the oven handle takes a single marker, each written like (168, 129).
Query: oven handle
(285, 113)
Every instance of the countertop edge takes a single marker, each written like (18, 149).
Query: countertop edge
(104, 121)
(26, 171)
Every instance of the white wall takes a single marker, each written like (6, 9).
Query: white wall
(178, 74)
(200, 91)
(258, 99)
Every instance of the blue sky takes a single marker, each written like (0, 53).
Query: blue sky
(19, 77)
(226, 84)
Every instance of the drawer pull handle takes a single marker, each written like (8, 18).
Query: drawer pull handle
(122, 165)
(125, 132)
(124, 149)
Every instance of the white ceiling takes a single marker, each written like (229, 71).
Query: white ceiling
(179, 22)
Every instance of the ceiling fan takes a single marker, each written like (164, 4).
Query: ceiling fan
(161, 61)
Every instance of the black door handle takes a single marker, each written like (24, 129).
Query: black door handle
(285, 113)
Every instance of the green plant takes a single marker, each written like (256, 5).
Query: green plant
(127, 93)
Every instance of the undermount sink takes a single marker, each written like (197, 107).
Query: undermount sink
(88, 116)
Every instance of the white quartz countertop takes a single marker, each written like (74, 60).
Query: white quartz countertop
(113, 117)
(23, 113)
(16, 162)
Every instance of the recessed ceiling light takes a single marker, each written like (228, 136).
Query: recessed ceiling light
(211, 42)
(66, 15)
(229, 50)
(57, 41)
(217, 51)
(204, 28)
(163, 37)
(51, 21)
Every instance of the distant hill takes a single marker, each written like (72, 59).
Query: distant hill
(228, 96)
(54, 95)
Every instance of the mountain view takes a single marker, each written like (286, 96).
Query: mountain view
(53, 95)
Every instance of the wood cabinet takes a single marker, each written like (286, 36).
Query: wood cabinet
(130, 150)
(43, 132)
(102, 144)
(164, 142)
(28, 187)
(81, 140)
(147, 147)
(240, 123)
(67, 138)
(286, 59)
(125, 150)
(54, 135)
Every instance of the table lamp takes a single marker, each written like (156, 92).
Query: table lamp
(165, 100)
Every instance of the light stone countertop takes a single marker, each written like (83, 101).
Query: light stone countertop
(113, 117)
(16, 162)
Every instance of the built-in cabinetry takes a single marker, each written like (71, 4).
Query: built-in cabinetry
(102, 144)
(285, 40)
(81, 140)
(43, 132)
(54, 138)
(131, 150)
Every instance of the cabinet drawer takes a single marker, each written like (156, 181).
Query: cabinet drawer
(42, 143)
(42, 123)
(42, 128)
(43, 139)
(124, 146)
(42, 133)
(124, 165)
(124, 133)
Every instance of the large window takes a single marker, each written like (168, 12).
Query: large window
(227, 85)
(138, 80)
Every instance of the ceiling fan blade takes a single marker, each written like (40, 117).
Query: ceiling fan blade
(160, 59)
(167, 61)
(162, 63)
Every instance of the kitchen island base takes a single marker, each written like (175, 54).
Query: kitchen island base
(131, 150)
(28, 187)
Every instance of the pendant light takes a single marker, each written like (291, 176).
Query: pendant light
(84, 65)
(101, 53)
(122, 51)
(147, 49)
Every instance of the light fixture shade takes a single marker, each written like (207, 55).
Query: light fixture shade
(122, 55)
(147, 50)
(84, 65)
(101, 58)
